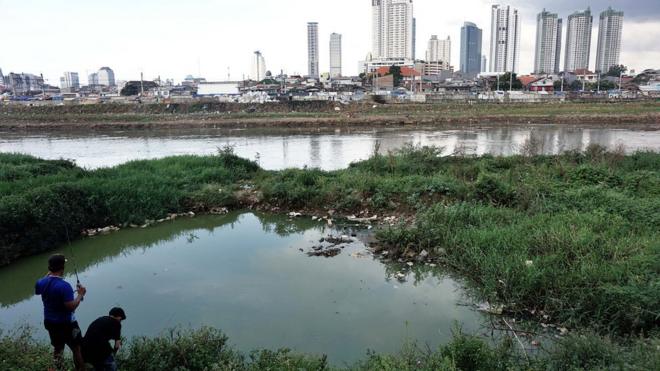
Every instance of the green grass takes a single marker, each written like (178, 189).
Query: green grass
(209, 349)
(572, 239)
(215, 111)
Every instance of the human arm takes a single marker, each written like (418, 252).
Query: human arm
(117, 346)
(72, 305)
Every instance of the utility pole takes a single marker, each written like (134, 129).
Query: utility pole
(141, 84)
(598, 84)
(510, 81)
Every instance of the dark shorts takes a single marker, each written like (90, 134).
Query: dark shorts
(64, 334)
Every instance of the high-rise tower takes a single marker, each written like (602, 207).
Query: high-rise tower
(471, 38)
(578, 41)
(504, 39)
(609, 40)
(258, 66)
(439, 50)
(548, 43)
(392, 29)
(313, 49)
(335, 55)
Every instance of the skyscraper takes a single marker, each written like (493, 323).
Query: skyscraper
(106, 76)
(439, 50)
(578, 41)
(93, 79)
(258, 66)
(504, 39)
(392, 29)
(70, 80)
(414, 41)
(609, 40)
(335, 55)
(548, 43)
(471, 38)
(313, 49)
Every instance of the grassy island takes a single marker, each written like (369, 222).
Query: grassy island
(572, 240)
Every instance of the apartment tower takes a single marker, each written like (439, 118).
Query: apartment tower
(505, 39)
(578, 41)
(439, 50)
(609, 40)
(392, 29)
(335, 55)
(313, 49)
(548, 43)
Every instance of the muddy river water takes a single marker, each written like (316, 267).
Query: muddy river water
(328, 149)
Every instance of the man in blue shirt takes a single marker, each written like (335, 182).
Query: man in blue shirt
(59, 308)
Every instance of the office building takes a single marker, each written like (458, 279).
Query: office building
(335, 55)
(471, 57)
(504, 39)
(70, 80)
(93, 79)
(548, 43)
(609, 40)
(439, 50)
(392, 29)
(106, 77)
(313, 49)
(258, 67)
(578, 41)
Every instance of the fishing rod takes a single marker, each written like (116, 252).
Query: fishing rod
(73, 259)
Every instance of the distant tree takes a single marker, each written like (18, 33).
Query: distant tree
(608, 85)
(505, 82)
(395, 71)
(557, 85)
(617, 71)
(135, 87)
(575, 86)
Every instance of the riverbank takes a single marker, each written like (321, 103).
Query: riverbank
(210, 349)
(568, 240)
(323, 114)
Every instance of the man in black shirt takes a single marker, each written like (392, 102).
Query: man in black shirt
(96, 343)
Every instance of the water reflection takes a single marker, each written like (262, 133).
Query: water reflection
(328, 149)
(244, 273)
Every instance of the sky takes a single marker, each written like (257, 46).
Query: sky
(216, 38)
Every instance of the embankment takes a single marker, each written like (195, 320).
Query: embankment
(313, 114)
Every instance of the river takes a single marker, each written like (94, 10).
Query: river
(245, 274)
(328, 149)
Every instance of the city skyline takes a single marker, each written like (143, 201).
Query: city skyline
(203, 49)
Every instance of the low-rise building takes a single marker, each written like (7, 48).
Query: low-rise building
(216, 89)
(537, 84)
(24, 83)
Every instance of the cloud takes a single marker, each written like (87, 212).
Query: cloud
(634, 10)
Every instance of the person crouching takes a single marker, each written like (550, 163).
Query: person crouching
(96, 343)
